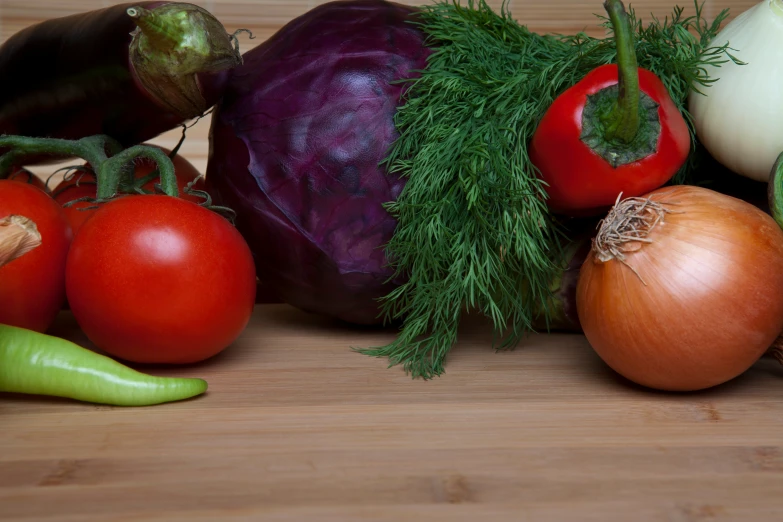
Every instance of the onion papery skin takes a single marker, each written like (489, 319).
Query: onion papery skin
(713, 299)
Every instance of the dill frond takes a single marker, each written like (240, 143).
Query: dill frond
(474, 232)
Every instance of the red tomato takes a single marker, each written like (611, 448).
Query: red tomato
(156, 279)
(32, 287)
(80, 185)
(25, 176)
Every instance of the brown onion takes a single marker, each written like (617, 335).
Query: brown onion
(683, 288)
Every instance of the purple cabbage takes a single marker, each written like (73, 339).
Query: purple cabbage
(296, 146)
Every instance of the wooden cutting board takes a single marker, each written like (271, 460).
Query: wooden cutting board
(297, 427)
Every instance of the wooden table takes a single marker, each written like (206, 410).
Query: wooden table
(297, 427)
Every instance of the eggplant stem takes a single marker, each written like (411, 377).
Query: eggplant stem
(235, 39)
(161, 32)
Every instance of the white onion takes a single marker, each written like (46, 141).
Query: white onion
(739, 118)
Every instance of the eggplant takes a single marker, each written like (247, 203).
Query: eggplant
(129, 71)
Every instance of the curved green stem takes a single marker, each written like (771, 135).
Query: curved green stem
(20, 148)
(109, 168)
(622, 121)
(112, 166)
(775, 191)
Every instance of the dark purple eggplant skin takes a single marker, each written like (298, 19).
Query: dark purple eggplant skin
(70, 77)
(566, 292)
(295, 150)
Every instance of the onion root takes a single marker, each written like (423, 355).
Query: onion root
(627, 225)
(18, 236)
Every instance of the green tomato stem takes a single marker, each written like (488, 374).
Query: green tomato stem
(40, 364)
(775, 190)
(106, 171)
(109, 169)
(21, 147)
(622, 121)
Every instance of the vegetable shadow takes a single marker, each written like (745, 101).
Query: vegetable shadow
(66, 326)
(761, 370)
(287, 316)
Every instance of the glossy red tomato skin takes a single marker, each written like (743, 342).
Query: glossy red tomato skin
(32, 287)
(82, 184)
(71, 190)
(580, 182)
(156, 279)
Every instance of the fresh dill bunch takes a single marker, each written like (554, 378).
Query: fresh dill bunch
(474, 232)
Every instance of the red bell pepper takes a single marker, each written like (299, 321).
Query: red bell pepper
(615, 131)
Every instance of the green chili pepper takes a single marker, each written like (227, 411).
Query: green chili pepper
(40, 364)
(775, 190)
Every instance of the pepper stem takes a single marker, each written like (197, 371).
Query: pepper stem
(775, 190)
(622, 121)
(109, 168)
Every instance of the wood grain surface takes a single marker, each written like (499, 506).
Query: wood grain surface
(297, 427)
(264, 17)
